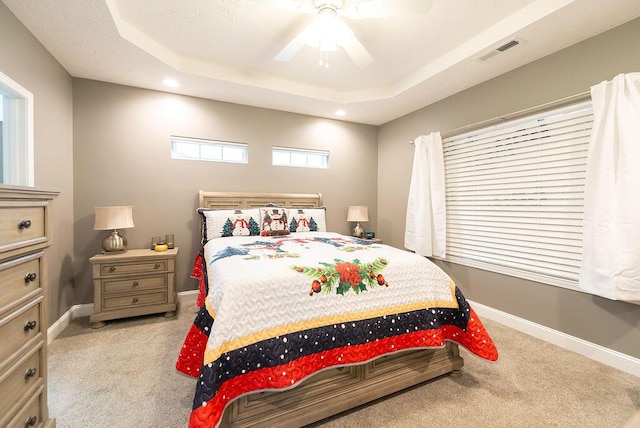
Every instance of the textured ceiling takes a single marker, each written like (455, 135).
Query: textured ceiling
(224, 49)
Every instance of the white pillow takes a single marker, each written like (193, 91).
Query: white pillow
(307, 220)
(223, 223)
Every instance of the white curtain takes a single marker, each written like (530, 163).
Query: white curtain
(425, 229)
(611, 243)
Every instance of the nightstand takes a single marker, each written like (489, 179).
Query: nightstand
(374, 240)
(136, 282)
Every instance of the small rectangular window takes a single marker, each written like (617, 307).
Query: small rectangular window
(283, 156)
(208, 150)
(16, 133)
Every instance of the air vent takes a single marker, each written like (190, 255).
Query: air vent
(508, 45)
(499, 49)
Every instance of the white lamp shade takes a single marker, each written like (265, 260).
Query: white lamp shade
(358, 213)
(108, 218)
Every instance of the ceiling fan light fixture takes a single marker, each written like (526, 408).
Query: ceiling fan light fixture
(328, 31)
(328, 44)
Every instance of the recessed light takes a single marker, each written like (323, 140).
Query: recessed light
(340, 113)
(170, 83)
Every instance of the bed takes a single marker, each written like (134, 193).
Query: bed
(296, 324)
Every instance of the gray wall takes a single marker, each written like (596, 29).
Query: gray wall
(119, 139)
(570, 71)
(27, 62)
(122, 157)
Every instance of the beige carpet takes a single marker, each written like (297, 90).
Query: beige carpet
(123, 376)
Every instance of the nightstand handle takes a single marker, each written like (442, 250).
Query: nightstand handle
(30, 325)
(30, 373)
(112, 269)
(156, 266)
(135, 300)
(24, 224)
(30, 277)
(135, 284)
(31, 421)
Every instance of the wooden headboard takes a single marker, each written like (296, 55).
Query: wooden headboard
(231, 200)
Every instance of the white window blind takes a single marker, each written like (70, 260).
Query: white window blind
(515, 194)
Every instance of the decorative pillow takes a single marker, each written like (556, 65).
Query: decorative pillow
(223, 223)
(273, 221)
(307, 220)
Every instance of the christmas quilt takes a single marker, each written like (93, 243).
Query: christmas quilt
(275, 310)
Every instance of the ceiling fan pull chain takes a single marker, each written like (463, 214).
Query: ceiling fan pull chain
(324, 59)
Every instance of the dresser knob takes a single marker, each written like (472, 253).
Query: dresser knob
(31, 421)
(30, 325)
(156, 266)
(30, 373)
(135, 284)
(135, 300)
(24, 224)
(30, 277)
(112, 269)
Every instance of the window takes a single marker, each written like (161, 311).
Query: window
(208, 150)
(515, 195)
(282, 156)
(16, 133)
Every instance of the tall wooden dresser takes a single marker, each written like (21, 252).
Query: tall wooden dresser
(25, 234)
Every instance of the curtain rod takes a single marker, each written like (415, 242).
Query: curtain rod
(582, 96)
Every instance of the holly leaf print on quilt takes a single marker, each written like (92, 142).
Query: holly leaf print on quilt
(345, 276)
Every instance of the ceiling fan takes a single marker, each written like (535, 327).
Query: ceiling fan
(328, 31)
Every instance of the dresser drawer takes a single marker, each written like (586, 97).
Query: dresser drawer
(151, 266)
(137, 284)
(19, 278)
(19, 379)
(134, 300)
(30, 415)
(21, 224)
(17, 328)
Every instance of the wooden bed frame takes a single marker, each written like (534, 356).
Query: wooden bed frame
(334, 390)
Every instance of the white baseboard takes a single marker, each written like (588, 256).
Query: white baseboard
(188, 296)
(78, 311)
(590, 350)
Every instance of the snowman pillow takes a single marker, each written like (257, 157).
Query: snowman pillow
(274, 221)
(307, 220)
(223, 223)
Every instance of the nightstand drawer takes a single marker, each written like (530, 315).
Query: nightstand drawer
(134, 267)
(137, 284)
(30, 415)
(21, 224)
(19, 278)
(17, 328)
(135, 300)
(18, 380)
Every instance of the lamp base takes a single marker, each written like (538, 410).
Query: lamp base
(358, 231)
(114, 243)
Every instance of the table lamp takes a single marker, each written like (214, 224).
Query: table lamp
(113, 218)
(358, 213)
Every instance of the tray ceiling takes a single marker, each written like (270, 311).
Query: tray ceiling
(224, 49)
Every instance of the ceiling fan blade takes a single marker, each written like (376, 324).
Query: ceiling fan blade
(292, 47)
(358, 53)
(385, 8)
